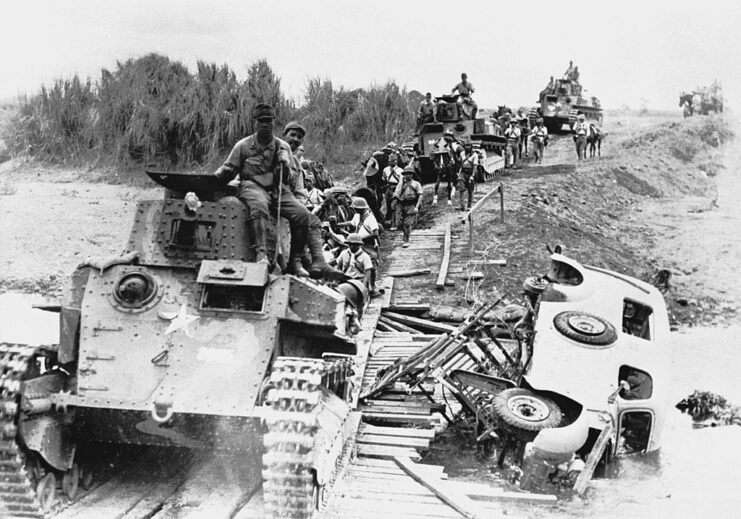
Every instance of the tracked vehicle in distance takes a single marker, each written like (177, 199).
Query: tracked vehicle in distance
(561, 102)
(183, 341)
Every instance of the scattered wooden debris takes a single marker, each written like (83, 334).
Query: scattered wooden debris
(594, 456)
(423, 324)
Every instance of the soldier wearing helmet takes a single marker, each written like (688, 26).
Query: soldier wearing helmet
(391, 178)
(364, 223)
(539, 138)
(467, 175)
(354, 262)
(409, 195)
(581, 131)
(512, 134)
(263, 164)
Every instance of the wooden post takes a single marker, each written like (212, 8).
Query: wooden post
(470, 234)
(440, 284)
(501, 201)
(594, 456)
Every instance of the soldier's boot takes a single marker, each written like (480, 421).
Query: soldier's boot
(295, 267)
(319, 266)
(258, 239)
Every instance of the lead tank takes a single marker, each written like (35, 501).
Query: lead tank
(561, 102)
(184, 341)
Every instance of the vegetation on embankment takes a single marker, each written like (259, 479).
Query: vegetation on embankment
(154, 110)
(593, 209)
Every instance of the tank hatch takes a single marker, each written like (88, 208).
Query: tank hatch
(233, 286)
(206, 186)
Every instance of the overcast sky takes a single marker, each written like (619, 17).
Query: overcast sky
(626, 51)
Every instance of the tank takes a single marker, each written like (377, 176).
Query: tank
(183, 341)
(561, 102)
(449, 118)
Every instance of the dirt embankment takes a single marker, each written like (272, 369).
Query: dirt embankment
(630, 210)
(610, 211)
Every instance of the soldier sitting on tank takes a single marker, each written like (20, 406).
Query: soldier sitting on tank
(294, 133)
(365, 224)
(263, 163)
(465, 89)
(426, 112)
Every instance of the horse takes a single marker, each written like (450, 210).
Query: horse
(685, 102)
(594, 140)
(337, 203)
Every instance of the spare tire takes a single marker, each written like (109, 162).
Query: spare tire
(585, 328)
(524, 412)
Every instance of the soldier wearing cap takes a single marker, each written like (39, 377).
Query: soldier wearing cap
(426, 112)
(467, 176)
(581, 130)
(263, 164)
(409, 195)
(539, 137)
(294, 132)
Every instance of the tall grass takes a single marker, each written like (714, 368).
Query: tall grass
(152, 109)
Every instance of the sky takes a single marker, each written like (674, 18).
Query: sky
(628, 52)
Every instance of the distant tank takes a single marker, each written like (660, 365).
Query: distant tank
(449, 118)
(183, 341)
(561, 102)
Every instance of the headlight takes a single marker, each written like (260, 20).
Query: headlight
(135, 289)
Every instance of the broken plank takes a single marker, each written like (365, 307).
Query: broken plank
(440, 284)
(396, 324)
(460, 502)
(594, 456)
(408, 273)
(420, 323)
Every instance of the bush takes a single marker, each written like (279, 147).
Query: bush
(152, 109)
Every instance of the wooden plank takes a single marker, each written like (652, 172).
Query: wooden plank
(421, 323)
(385, 452)
(481, 492)
(397, 441)
(388, 291)
(594, 456)
(458, 501)
(443, 273)
(402, 410)
(399, 326)
(409, 307)
(478, 204)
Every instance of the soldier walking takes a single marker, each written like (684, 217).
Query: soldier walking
(467, 176)
(409, 195)
(391, 178)
(512, 135)
(581, 130)
(539, 137)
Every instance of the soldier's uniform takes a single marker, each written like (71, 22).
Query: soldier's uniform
(581, 130)
(539, 136)
(257, 166)
(465, 89)
(467, 177)
(408, 193)
(513, 141)
(391, 178)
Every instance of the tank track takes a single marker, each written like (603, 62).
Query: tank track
(18, 495)
(295, 401)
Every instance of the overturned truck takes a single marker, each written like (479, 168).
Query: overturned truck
(578, 376)
(183, 341)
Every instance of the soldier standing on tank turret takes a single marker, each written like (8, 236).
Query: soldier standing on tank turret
(569, 71)
(258, 160)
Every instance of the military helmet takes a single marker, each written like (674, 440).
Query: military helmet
(408, 170)
(468, 144)
(294, 125)
(582, 117)
(354, 238)
(448, 133)
(358, 202)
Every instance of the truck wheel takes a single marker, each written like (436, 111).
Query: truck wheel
(585, 328)
(524, 412)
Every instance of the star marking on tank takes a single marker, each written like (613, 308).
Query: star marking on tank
(179, 320)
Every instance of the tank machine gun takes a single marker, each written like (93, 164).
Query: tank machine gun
(183, 341)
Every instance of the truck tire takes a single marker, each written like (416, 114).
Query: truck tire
(524, 412)
(585, 328)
